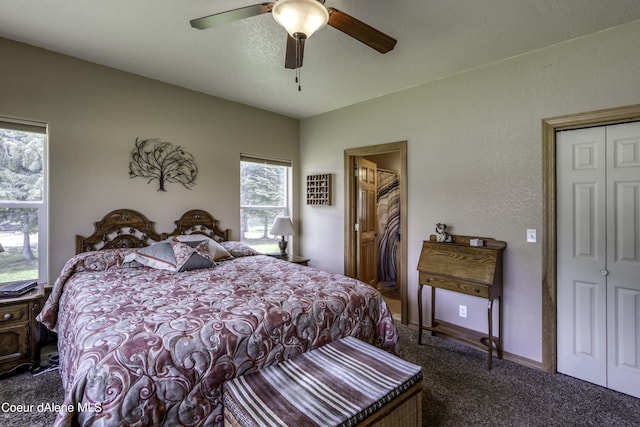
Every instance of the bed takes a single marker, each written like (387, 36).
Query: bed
(146, 343)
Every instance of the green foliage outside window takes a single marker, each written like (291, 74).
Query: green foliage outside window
(21, 181)
(263, 196)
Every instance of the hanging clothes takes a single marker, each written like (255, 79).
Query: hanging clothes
(388, 205)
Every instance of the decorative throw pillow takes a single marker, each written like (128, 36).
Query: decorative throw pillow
(217, 251)
(197, 262)
(238, 249)
(201, 258)
(158, 255)
(202, 249)
(182, 252)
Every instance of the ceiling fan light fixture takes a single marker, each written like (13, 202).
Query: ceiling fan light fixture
(300, 16)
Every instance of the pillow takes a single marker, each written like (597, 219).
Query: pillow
(158, 255)
(173, 256)
(216, 251)
(201, 247)
(201, 258)
(197, 262)
(238, 249)
(182, 252)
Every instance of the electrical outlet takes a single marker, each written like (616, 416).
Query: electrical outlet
(462, 310)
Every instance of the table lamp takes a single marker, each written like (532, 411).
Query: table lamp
(282, 226)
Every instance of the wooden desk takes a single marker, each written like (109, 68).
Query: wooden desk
(459, 267)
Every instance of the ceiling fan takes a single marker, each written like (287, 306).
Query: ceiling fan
(301, 18)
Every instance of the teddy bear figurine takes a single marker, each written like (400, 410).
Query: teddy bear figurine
(441, 233)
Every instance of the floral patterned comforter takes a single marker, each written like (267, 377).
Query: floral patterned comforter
(141, 346)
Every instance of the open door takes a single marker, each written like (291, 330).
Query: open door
(352, 247)
(367, 222)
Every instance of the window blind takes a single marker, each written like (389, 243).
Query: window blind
(23, 126)
(265, 160)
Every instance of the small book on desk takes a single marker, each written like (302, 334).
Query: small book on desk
(15, 289)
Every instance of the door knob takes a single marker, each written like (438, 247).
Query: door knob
(604, 272)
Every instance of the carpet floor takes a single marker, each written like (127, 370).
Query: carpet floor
(458, 391)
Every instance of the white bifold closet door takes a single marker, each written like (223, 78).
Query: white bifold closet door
(598, 255)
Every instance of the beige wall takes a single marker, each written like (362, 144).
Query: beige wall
(474, 146)
(474, 162)
(95, 114)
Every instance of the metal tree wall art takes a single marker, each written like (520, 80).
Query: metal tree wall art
(162, 161)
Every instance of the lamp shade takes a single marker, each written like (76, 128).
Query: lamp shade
(300, 16)
(282, 226)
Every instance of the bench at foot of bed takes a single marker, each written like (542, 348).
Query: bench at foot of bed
(344, 383)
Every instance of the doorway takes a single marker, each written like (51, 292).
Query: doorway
(396, 153)
(550, 127)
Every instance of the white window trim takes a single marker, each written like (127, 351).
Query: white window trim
(288, 196)
(43, 206)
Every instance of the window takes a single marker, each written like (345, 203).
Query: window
(23, 217)
(264, 195)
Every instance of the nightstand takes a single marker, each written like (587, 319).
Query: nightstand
(297, 259)
(19, 331)
(47, 337)
(47, 291)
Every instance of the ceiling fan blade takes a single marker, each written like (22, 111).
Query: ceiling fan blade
(361, 31)
(293, 60)
(231, 15)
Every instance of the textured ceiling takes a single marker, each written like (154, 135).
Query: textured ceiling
(244, 61)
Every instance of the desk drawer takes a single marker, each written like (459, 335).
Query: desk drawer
(468, 288)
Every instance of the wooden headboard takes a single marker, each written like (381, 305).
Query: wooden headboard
(197, 221)
(127, 228)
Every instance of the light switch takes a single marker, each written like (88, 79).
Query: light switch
(531, 235)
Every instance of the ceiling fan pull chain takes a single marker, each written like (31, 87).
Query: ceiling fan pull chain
(298, 73)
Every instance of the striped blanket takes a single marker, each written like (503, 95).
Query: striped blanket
(339, 384)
